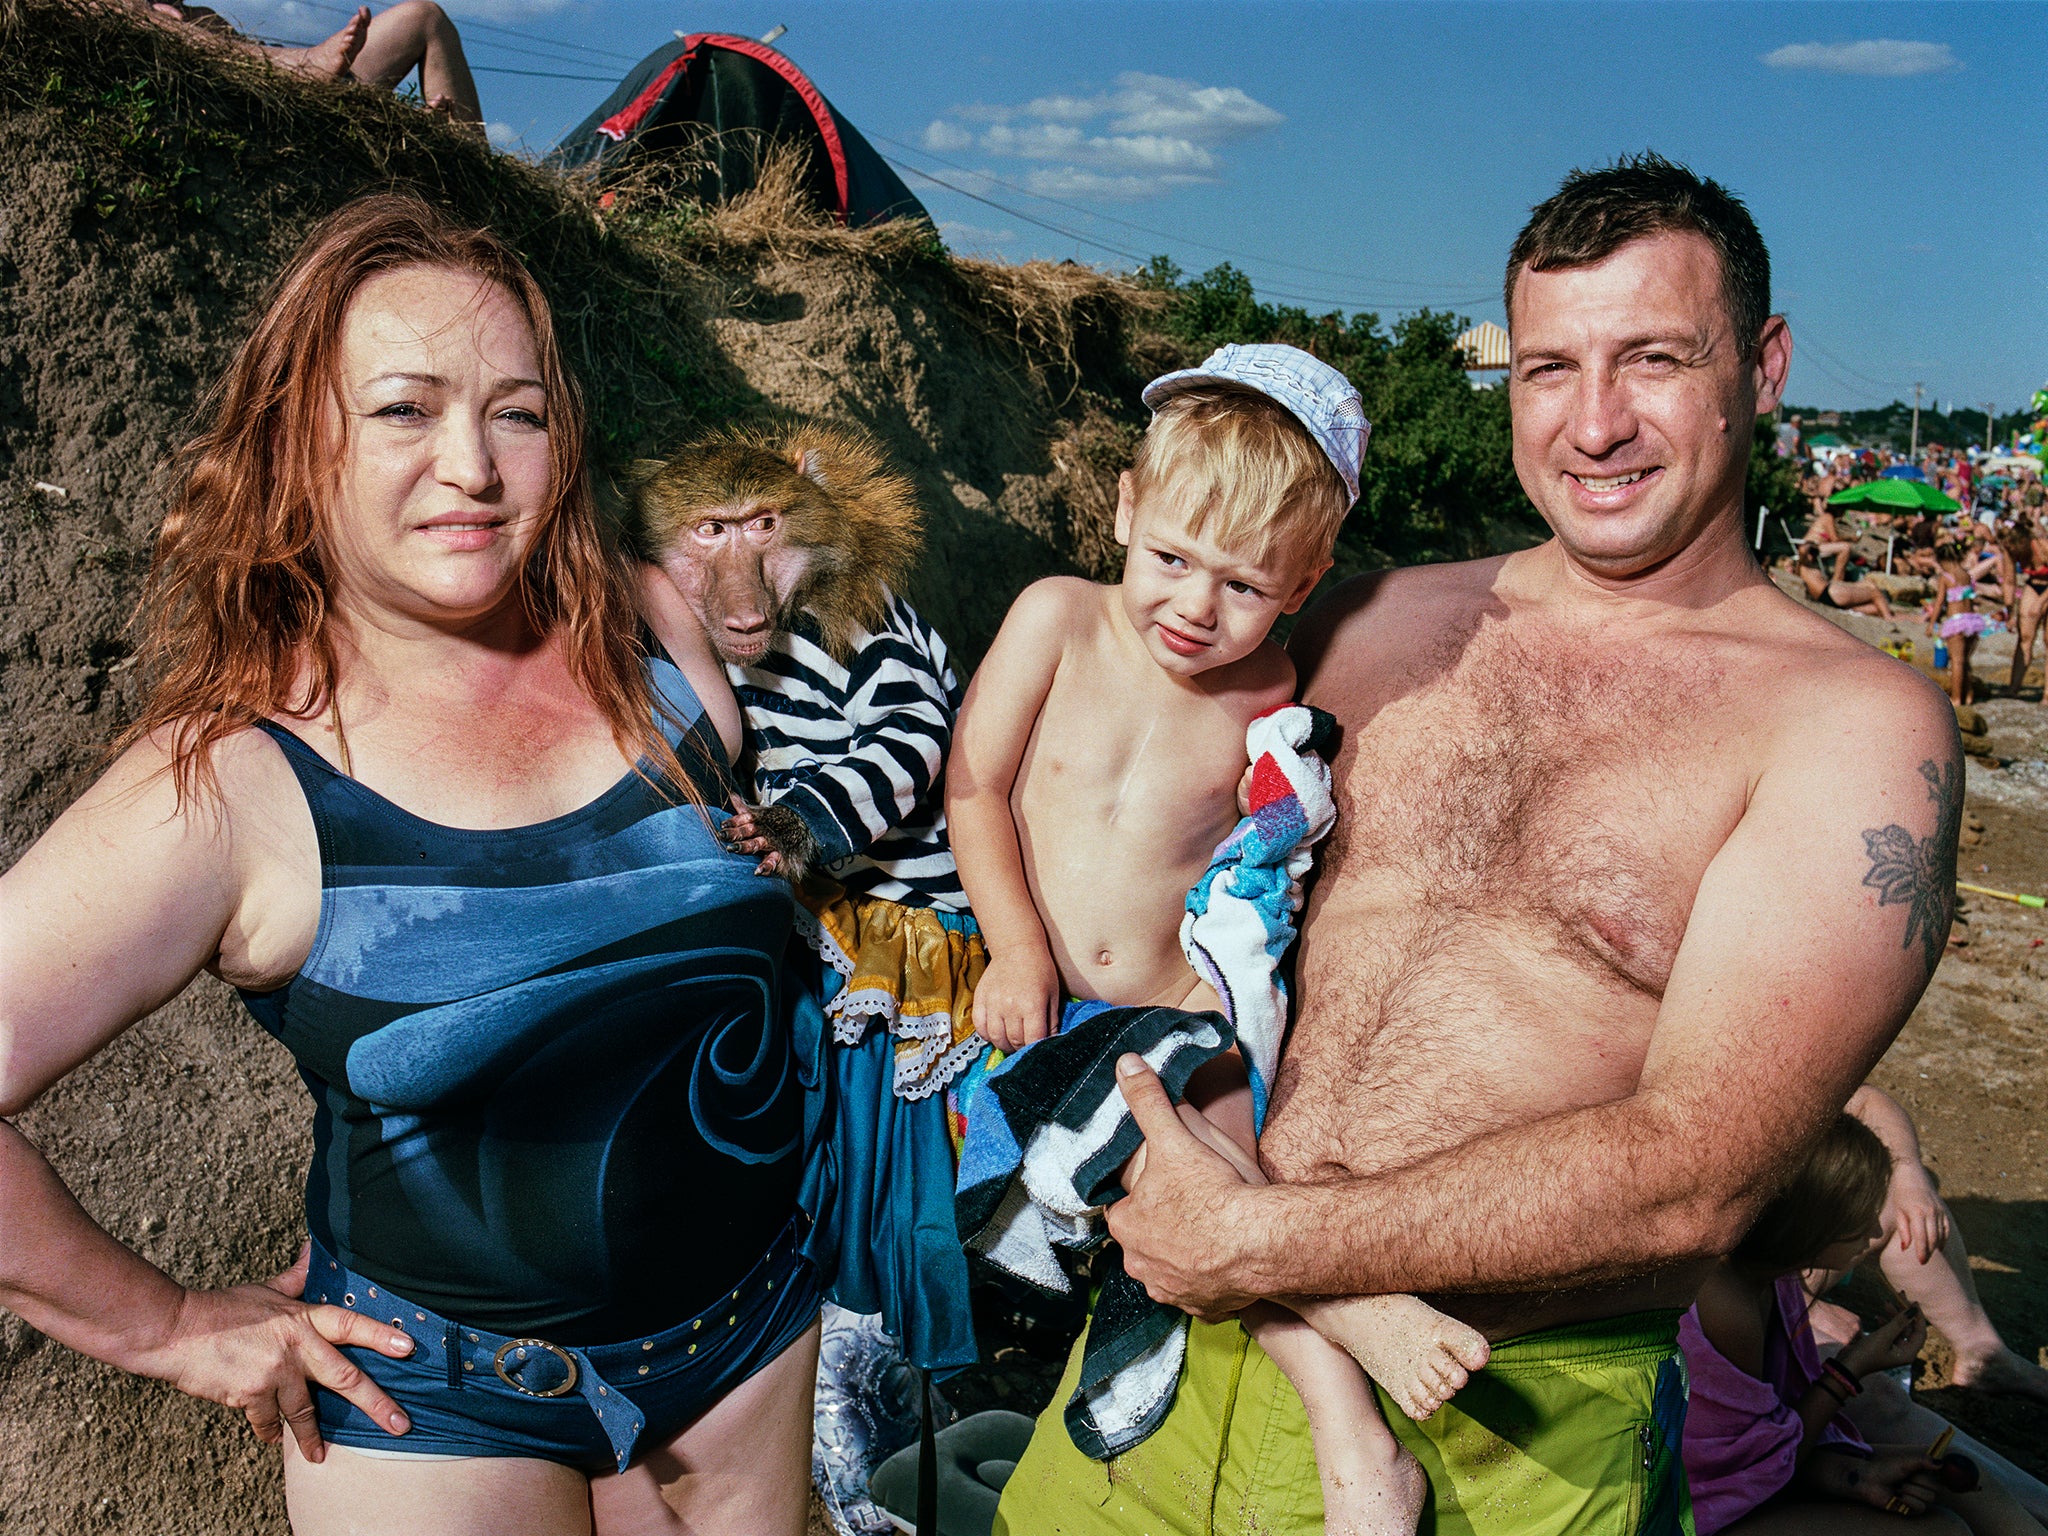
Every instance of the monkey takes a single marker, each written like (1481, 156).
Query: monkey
(768, 532)
(789, 545)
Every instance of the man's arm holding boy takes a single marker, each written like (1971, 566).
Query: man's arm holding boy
(1754, 1049)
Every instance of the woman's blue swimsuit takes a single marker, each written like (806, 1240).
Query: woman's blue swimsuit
(558, 1121)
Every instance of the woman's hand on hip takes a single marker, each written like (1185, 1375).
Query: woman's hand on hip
(259, 1348)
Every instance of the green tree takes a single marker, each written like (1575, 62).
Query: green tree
(1773, 482)
(1439, 480)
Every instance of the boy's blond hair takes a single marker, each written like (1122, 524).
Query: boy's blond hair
(1244, 472)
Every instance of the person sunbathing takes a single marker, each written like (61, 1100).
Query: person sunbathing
(1822, 530)
(1097, 766)
(379, 50)
(1849, 596)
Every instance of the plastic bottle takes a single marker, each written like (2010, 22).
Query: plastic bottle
(1940, 655)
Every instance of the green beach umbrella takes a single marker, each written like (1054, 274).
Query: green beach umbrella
(1894, 495)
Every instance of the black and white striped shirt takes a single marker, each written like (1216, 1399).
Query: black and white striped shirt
(858, 752)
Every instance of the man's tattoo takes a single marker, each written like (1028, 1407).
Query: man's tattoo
(1920, 873)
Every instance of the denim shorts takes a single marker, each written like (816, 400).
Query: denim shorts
(470, 1392)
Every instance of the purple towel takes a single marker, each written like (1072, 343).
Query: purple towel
(1742, 1434)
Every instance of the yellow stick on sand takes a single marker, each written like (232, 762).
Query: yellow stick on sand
(2019, 896)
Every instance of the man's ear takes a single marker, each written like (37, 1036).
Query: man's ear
(1308, 585)
(1773, 363)
(1126, 505)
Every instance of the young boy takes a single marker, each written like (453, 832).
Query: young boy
(1096, 767)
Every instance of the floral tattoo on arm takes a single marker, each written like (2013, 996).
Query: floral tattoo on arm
(1920, 873)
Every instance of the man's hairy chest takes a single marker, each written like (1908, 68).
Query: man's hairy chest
(1575, 798)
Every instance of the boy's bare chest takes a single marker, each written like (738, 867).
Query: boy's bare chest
(1111, 756)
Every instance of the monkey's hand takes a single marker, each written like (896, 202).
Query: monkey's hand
(775, 833)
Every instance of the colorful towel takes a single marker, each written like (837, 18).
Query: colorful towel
(1047, 1130)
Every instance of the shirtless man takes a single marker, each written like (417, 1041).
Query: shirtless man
(1584, 970)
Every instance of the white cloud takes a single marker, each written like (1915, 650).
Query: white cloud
(969, 237)
(281, 19)
(947, 138)
(1070, 181)
(1150, 134)
(504, 12)
(1157, 104)
(1872, 56)
(1066, 109)
(1122, 152)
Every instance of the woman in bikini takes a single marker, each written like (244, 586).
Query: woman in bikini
(1954, 610)
(2027, 546)
(409, 780)
(1849, 596)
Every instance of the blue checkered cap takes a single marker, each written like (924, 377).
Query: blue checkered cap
(1320, 397)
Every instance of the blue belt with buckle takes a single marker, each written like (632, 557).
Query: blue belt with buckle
(539, 1368)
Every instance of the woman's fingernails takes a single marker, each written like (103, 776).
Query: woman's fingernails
(402, 1343)
(400, 1423)
(1130, 1064)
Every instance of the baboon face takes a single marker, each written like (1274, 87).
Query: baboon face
(730, 531)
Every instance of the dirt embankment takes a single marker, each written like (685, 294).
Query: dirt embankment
(152, 190)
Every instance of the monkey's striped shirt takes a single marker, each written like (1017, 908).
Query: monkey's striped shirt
(858, 751)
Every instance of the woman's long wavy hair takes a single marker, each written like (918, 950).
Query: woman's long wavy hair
(237, 613)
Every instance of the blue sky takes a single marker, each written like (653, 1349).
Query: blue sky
(1381, 156)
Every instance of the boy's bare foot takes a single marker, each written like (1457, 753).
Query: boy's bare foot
(1371, 1495)
(1414, 1351)
(2003, 1371)
(330, 60)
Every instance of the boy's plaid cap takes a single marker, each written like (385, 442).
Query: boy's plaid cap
(1319, 397)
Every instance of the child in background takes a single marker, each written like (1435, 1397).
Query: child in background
(1954, 611)
(1765, 1452)
(1924, 1260)
(1097, 767)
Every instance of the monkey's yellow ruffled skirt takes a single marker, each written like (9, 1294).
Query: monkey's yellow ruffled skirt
(910, 971)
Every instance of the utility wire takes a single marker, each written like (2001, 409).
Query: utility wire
(1816, 347)
(1145, 229)
(540, 74)
(552, 47)
(1018, 213)
(1103, 245)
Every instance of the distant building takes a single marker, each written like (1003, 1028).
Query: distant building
(1485, 347)
(1829, 418)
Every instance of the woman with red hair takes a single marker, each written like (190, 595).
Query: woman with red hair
(410, 781)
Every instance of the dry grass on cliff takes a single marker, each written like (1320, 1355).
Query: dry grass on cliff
(191, 127)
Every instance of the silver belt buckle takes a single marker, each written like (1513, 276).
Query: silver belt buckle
(568, 1363)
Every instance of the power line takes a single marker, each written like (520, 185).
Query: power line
(1844, 367)
(539, 74)
(553, 45)
(1146, 229)
(1018, 213)
(1103, 245)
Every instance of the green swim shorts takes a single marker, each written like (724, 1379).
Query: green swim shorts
(1569, 1430)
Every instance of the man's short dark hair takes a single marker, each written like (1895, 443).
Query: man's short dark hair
(1595, 213)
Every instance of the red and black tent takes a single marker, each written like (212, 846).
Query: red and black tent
(728, 97)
